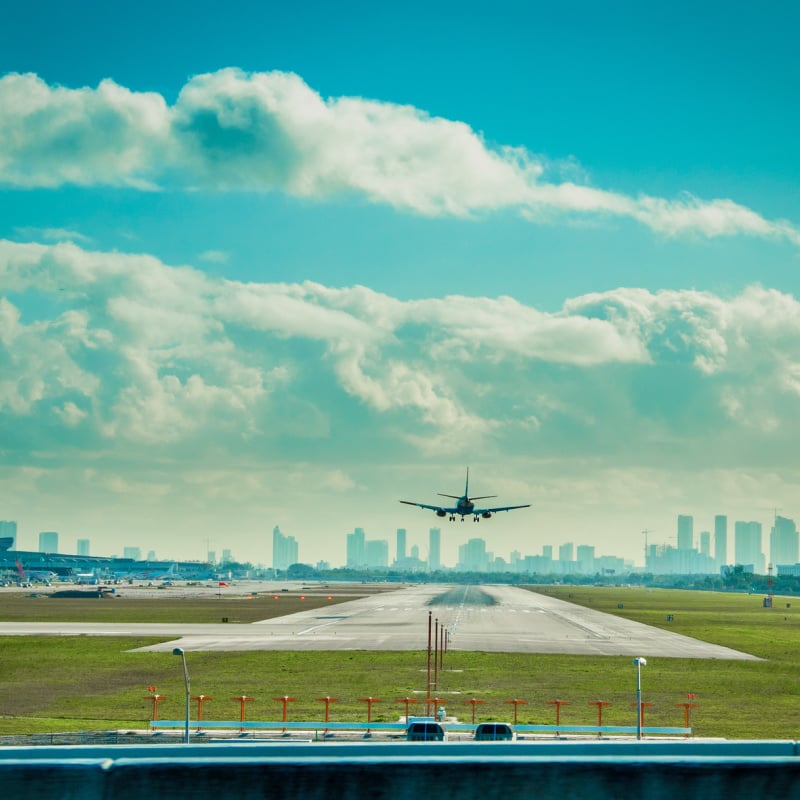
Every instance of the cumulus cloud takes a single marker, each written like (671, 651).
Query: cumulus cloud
(272, 132)
(137, 351)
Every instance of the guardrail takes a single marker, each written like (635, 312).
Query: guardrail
(400, 727)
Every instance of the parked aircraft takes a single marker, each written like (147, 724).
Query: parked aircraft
(465, 506)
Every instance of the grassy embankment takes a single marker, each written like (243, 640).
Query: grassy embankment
(96, 683)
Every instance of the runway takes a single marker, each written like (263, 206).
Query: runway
(497, 619)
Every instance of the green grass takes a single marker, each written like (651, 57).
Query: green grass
(95, 683)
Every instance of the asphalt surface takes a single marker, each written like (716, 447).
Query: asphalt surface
(499, 619)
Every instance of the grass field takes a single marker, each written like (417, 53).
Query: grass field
(96, 683)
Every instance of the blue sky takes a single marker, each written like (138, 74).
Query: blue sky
(284, 266)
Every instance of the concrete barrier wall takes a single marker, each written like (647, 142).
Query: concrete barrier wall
(557, 771)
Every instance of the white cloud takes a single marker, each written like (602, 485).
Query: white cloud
(141, 352)
(272, 132)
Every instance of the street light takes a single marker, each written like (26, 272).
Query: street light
(640, 662)
(179, 652)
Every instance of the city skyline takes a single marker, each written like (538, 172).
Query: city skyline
(752, 546)
(262, 268)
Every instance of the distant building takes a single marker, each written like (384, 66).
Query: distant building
(472, 556)
(747, 545)
(211, 556)
(585, 559)
(566, 551)
(227, 557)
(415, 551)
(401, 544)
(376, 553)
(705, 543)
(356, 556)
(721, 540)
(8, 530)
(82, 547)
(284, 550)
(434, 549)
(151, 555)
(48, 542)
(685, 532)
(783, 542)
(132, 552)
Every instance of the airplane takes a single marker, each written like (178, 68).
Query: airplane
(465, 506)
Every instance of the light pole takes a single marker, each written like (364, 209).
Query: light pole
(640, 662)
(179, 652)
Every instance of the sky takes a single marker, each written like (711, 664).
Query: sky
(286, 266)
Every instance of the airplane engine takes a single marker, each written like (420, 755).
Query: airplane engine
(486, 514)
(441, 512)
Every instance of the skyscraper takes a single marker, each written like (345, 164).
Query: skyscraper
(783, 542)
(355, 548)
(721, 540)
(8, 530)
(284, 549)
(401, 544)
(434, 549)
(685, 532)
(48, 542)
(565, 551)
(705, 543)
(747, 545)
(376, 553)
(83, 547)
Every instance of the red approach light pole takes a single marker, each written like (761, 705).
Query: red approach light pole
(436, 658)
(408, 701)
(599, 704)
(515, 703)
(201, 698)
(558, 704)
(686, 710)
(327, 700)
(369, 701)
(428, 693)
(285, 700)
(242, 699)
(474, 702)
(155, 698)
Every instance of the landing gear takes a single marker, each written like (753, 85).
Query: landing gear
(476, 518)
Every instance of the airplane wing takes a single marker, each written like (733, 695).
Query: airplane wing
(432, 508)
(499, 508)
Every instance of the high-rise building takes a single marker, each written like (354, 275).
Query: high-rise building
(434, 549)
(284, 549)
(83, 547)
(401, 544)
(685, 532)
(565, 551)
(547, 551)
(8, 530)
(747, 546)
(415, 552)
(48, 542)
(227, 556)
(721, 540)
(355, 549)
(376, 553)
(783, 542)
(132, 552)
(705, 543)
(151, 555)
(585, 559)
(472, 556)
